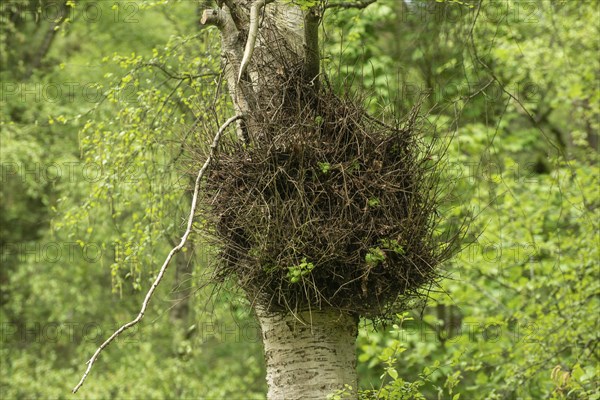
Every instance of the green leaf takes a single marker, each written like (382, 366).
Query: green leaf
(392, 373)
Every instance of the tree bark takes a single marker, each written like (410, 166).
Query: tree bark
(308, 355)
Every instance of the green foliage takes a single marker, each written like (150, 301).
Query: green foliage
(325, 167)
(373, 202)
(393, 386)
(393, 245)
(305, 4)
(517, 316)
(514, 318)
(91, 195)
(374, 256)
(297, 272)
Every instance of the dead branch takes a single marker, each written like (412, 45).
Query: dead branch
(348, 4)
(173, 251)
(213, 17)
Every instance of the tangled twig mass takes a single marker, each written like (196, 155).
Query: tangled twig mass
(326, 207)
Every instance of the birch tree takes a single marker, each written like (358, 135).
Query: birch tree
(308, 354)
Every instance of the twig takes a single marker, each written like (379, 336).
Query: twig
(173, 251)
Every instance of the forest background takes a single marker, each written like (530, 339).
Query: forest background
(100, 107)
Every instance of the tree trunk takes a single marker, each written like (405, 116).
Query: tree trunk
(308, 355)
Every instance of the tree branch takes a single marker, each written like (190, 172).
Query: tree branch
(350, 4)
(252, 34)
(232, 54)
(173, 251)
(48, 39)
(213, 17)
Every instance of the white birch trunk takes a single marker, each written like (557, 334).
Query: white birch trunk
(309, 355)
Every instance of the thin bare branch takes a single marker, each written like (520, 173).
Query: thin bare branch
(252, 34)
(173, 251)
(350, 4)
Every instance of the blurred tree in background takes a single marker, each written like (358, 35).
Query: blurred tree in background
(100, 103)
